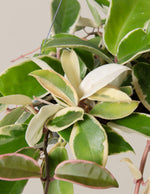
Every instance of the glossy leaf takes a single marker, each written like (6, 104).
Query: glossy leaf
(42, 64)
(60, 187)
(85, 173)
(86, 57)
(58, 155)
(35, 128)
(71, 67)
(103, 2)
(65, 118)
(16, 99)
(53, 63)
(31, 152)
(132, 14)
(133, 169)
(95, 13)
(110, 94)
(65, 134)
(18, 167)
(24, 118)
(12, 138)
(12, 187)
(136, 122)
(127, 89)
(133, 45)
(57, 85)
(12, 117)
(116, 143)
(89, 132)
(63, 23)
(114, 110)
(65, 41)
(141, 82)
(99, 78)
(18, 81)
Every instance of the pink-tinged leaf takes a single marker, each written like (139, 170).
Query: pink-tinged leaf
(18, 167)
(85, 173)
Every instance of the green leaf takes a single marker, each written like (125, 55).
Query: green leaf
(86, 57)
(12, 138)
(31, 152)
(24, 118)
(84, 22)
(102, 2)
(136, 122)
(16, 187)
(65, 41)
(66, 17)
(12, 187)
(88, 140)
(124, 16)
(57, 85)
(114, 110)
(18, 167)
(16, 80)
(16, 99)
(65, 134)
(35, 128)
(95, 13)
(58, 155)
(136, 43)
(85, 173)
(12, 117)
(60, 187)
(65, 118)
(53, 62)
(127, 89)
(116, 143)
(141, 82)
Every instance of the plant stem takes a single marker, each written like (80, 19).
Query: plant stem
(142, 166)
(47, 174)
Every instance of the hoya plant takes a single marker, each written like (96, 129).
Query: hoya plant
(89, 80)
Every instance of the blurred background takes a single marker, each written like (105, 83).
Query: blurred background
(23, 26)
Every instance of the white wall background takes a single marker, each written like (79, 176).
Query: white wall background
(23, 25)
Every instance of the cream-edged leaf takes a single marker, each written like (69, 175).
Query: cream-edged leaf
(110, 94)
(17, 99)
(88, 140)
(99, 78)
(114, 110)
(71, 67)
(35, 128)
(65, 118)
(40, 63)
(133, 169)
(57, 85)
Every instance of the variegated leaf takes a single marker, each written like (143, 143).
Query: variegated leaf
(71, 67)
(16, 99)
(57, 85)
(114, 110)
(99, 78)
(110, 94)
(88, 140)
(64, 118)
(35, 128)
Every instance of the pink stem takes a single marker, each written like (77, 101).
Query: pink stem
(142, 166)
